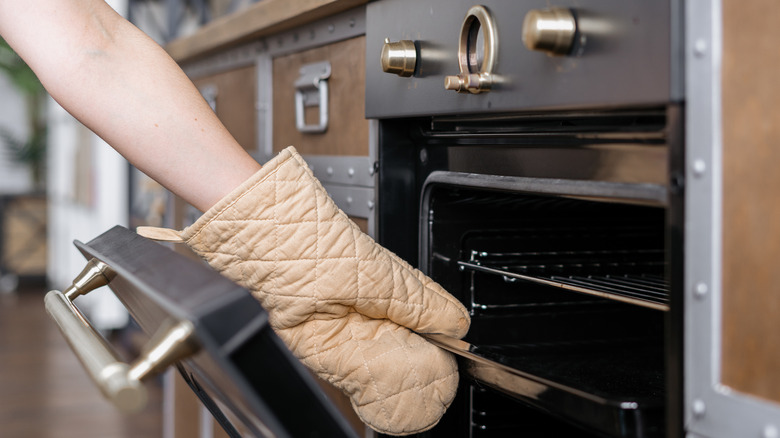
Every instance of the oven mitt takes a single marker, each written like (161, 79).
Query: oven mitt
(347, 307)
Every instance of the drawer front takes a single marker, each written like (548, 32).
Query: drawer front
(232, 94)
(347, 130)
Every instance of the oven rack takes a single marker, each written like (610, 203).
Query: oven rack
(630, 276)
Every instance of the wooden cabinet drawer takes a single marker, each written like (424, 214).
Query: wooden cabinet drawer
(347, 131)
(233, 94)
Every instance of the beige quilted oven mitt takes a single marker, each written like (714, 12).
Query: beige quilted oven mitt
(343, 304)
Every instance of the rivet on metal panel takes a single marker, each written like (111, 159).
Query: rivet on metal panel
(331, 28)
(700, 290)
(351, 172)
(370, 205)
(700, 48)
(699, 167)
(329, 170)
(699, 408)
(770, 431)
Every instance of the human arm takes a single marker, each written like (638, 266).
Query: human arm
(123, 86)
(345, 306)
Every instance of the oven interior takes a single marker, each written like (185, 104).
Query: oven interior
(567, 297)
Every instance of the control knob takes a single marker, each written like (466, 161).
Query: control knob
(549, 30)
(399, 58)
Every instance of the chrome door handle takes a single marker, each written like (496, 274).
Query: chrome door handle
(119, 382)
(311, 89)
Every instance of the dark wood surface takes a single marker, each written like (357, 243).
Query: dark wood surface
(260, 19)
(236, 95)
(751, 198)
(45, 392)
(347, 132)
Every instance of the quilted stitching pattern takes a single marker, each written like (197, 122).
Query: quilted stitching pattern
(343, 304)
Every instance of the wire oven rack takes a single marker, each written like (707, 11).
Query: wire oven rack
(631, 276)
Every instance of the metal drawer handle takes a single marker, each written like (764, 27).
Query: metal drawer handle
(119, 382)
(311, 89)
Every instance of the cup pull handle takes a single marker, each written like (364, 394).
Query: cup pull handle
(119, 382)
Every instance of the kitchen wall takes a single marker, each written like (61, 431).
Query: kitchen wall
(87, 188)
(14, 178)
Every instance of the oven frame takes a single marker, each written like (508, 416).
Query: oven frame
(404, 163)
(710, 407)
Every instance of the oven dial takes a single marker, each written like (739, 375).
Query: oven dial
(476, 62)
(549, 30)
(399, 58)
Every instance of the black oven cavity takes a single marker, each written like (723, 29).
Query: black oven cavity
(559, 231)
(567, 293)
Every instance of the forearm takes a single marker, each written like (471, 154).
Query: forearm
(124, 87)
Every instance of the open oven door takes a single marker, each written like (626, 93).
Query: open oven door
(211, 329)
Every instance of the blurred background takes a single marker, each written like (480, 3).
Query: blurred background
(59, 183)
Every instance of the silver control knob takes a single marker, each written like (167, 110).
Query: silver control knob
(399, 58)
(549, 30)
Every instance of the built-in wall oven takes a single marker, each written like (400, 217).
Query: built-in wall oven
(529, 160)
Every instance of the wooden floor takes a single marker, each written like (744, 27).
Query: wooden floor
(45, 393)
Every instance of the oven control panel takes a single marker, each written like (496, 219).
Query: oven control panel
(457, 57)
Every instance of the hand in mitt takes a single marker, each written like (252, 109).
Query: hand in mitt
(345, 306)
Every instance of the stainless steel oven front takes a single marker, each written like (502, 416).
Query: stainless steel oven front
(529, 160)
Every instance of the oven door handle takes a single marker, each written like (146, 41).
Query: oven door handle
(119, 382)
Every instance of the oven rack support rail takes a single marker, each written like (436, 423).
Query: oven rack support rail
(608, 277)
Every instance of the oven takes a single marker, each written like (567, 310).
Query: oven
(529, 161)
(530, 158)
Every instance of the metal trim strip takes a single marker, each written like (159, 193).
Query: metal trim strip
(339, 27)
(711, 409)
(347, 170)
(354, 201)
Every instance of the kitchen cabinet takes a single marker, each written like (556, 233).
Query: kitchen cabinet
(248, 67)
(23, 249)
